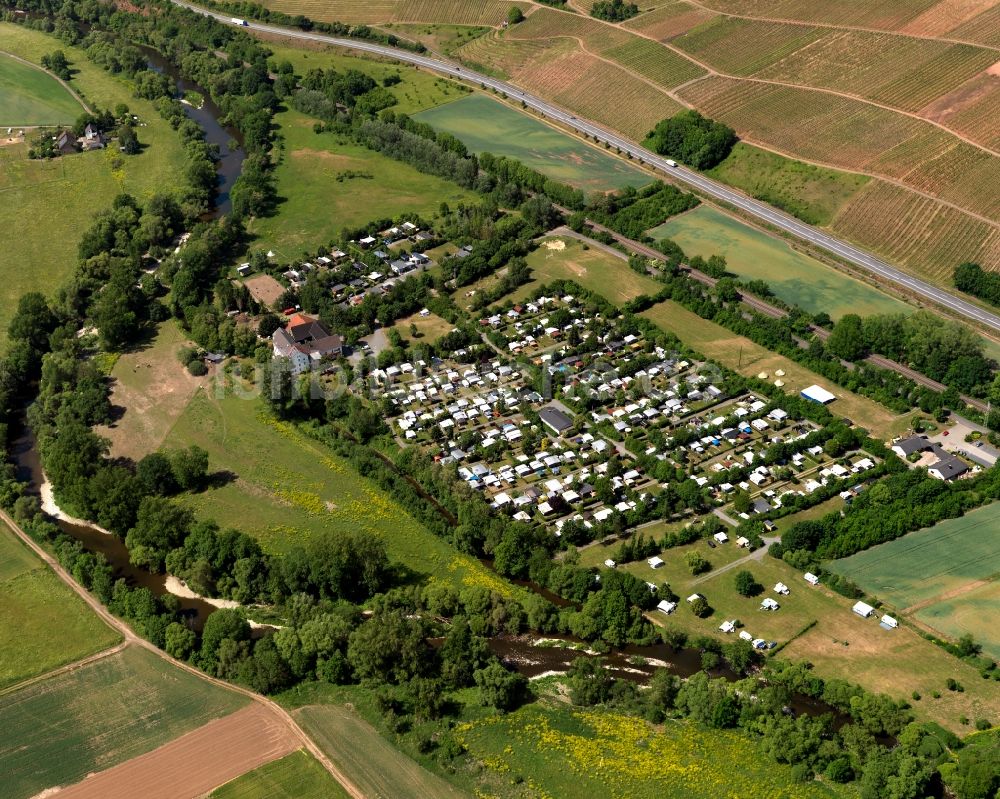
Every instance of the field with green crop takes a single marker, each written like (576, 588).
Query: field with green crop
(46, 206)
(368, 760)
(295, 776)
(328, 183)
(59, 730)
(44, 624)
(561, 751)
(755, 255)
(29, 96)
(486, 125)
(286, 489)
(944, 574)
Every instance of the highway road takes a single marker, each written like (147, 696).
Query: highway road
(719, 191)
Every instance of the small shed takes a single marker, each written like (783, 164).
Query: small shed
(811, 578)
(863, 609)
(888, 623)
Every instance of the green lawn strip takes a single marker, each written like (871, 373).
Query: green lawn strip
(29, 96)
(46, 206)
(295, 776)
(43, 624)
(59, 730)
(371, 762)
(793, 276)
(287, 489)
(557, 750)
(486, 125)
(813, 193)
(328, 183)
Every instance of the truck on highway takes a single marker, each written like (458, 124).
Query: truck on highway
(671, 162)
(241, 22)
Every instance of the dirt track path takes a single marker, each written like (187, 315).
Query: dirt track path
(955, 592)
(76, 664)
(131, 639)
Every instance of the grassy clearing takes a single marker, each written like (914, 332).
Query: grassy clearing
(44, 625)
(154, 388)
(560, 751)
(486, 125)
(286, 489)
(840, 644)
(429, 328)
(328, 184)
(813, 193)
(441, 38)
(930, 562)
(59, 730)
(416, 91)
(747, 358)
(45, 207)
(29, 96)
(296, 776)
(793, 276)
(367, 758)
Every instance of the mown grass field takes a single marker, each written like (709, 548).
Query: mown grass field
(560, 751)
(812, 193)
(295, 776)
(486, 125)
(793, 276)
(46, 207)
(429, 328)
(327, 184)
(29, 96)
(371, 762)
(286, 489)
(968, 614)
(59, 730)
(840, 644)
(153, 387)
(43, 625)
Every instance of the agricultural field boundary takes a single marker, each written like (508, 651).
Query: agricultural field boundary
(132, 639)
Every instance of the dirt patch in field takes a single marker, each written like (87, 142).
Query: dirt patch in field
(555, 244)
(150, 389)
(265, 289)
(325, 156)
(973, 91)
(945, 16)
(196, 763)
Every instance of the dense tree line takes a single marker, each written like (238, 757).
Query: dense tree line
(613, 10)
(973, 279)
(692, 139)
(632, 212)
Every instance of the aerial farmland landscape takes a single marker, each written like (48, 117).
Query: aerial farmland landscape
(523, 399)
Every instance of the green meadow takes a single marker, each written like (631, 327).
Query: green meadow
(295, 776)
(486, 125)
(793, 276)
(44, 624)
(29, 96)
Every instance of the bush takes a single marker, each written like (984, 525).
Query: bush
(197, 368)
(983, 724)
(746, 585)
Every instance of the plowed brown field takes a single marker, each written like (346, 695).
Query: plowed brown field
(194, 764)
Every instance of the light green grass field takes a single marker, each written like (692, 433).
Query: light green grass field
(793, 276)
(968, 614)
(367, 758)
(560, 751)
(29, 96)
(317, 206)
(59, 730)
(296, 776)
(288, 489)
(815, 194)
(930, 562)
(46, 207)
(43, 624)
(486, 125)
